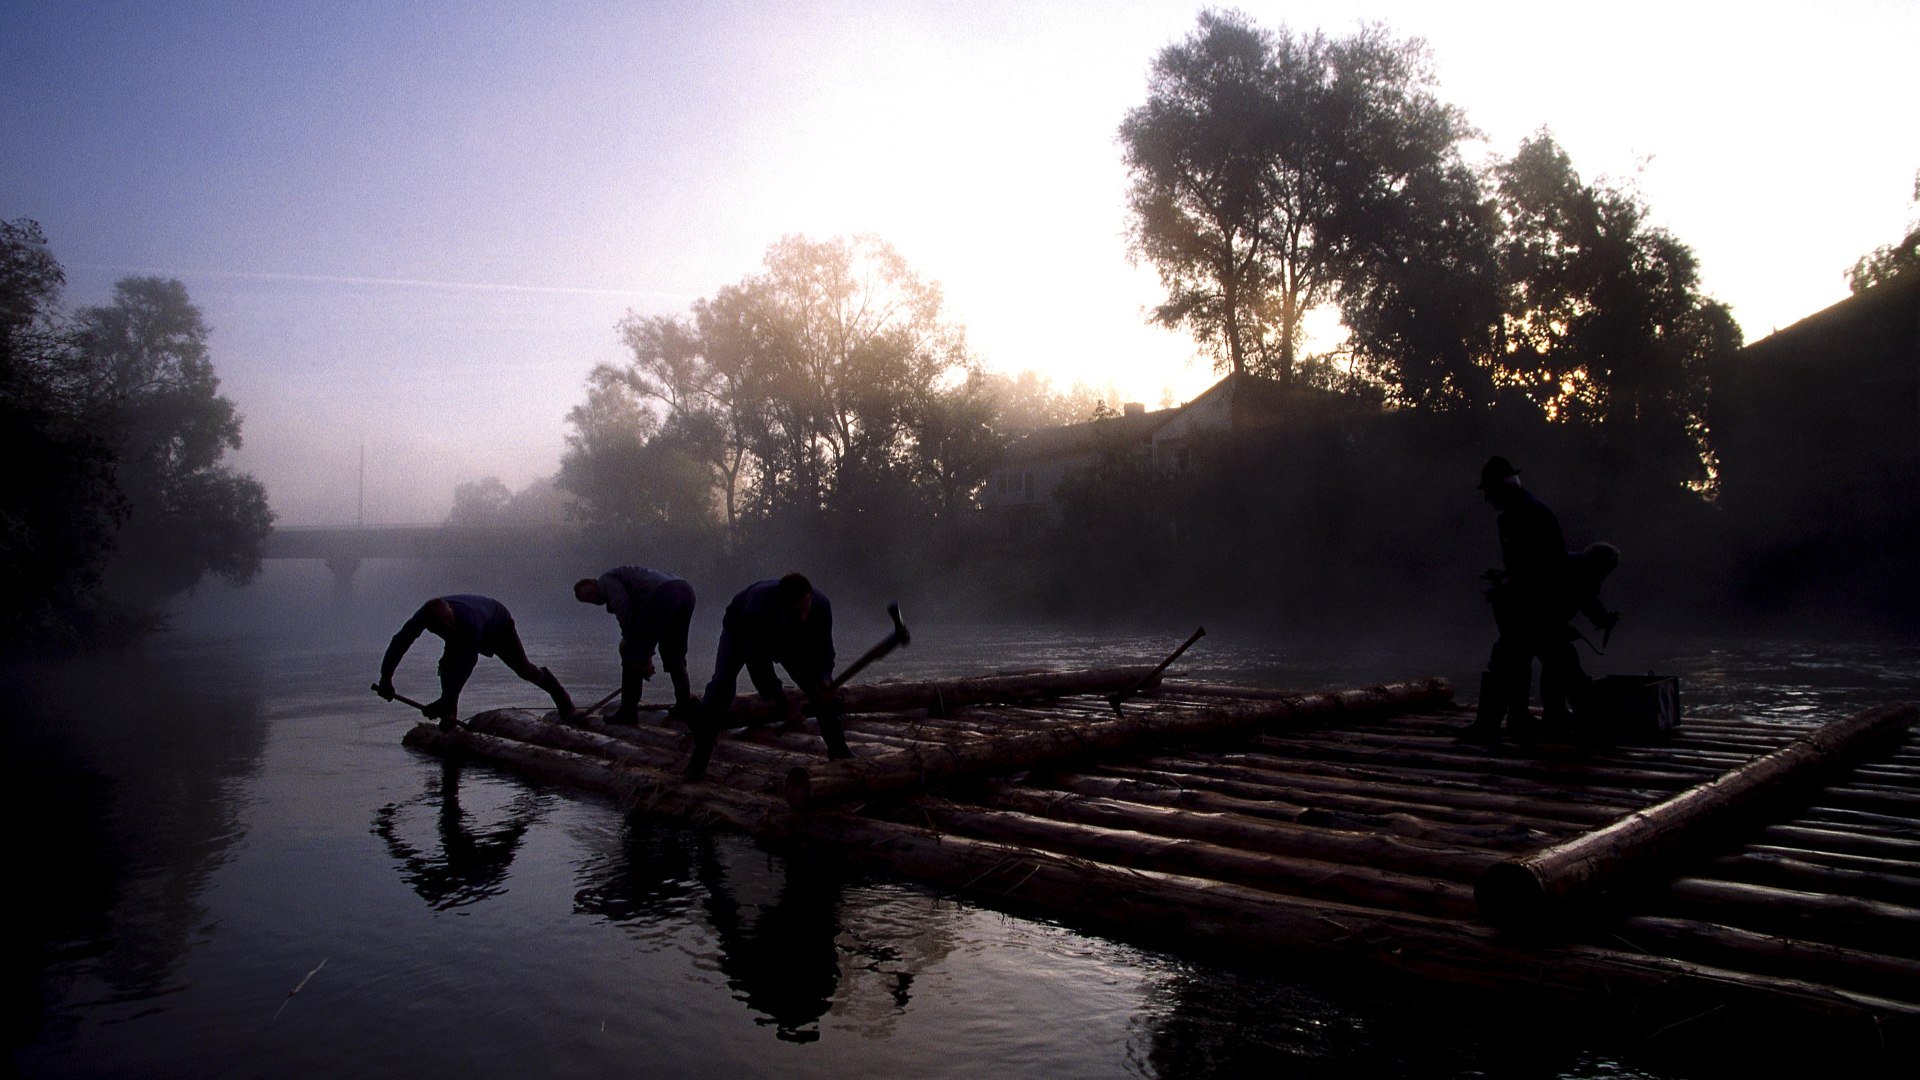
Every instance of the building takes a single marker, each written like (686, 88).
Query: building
(1022, 491)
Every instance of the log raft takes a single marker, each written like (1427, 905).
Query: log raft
(1750, 871)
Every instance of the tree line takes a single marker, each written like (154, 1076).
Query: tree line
(112, 416)
(828, 400)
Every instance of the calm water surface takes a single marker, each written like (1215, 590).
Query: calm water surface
(226, 815)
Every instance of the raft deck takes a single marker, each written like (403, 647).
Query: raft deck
(1347, 829)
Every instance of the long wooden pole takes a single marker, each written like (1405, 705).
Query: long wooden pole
(1541, 886)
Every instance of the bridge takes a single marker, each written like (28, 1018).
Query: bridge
(343, 548)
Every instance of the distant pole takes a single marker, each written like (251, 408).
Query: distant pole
(360, 505)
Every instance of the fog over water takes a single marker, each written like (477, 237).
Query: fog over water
(225, 814)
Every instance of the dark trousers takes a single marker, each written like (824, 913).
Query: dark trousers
(1510, 666)
(457, 664)
(663, 625)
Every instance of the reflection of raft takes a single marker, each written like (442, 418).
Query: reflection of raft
(1742, 870)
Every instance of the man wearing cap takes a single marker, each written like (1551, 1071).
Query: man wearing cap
(472, 627)
(1528, 598)
(654, 609)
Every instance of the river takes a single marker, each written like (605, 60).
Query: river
(229, 866)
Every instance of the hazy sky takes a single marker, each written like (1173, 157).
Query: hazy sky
(413, 226)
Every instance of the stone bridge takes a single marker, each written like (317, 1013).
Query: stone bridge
(343, 548)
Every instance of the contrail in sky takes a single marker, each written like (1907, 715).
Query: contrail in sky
(411, 283)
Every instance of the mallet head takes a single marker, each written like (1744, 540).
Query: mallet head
(900, 634)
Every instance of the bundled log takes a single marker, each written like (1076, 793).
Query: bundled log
(1347, 882)
(1768, 954)
(1542, 885)
(907, 770)
(1811, 916)
(629, 783)
(1351, 847)
(945, 695)
(1257, 923)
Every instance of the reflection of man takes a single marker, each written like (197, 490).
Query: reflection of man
(1528, 599)
(472, 627)
(784, 621)
(654, 608)
(470, 866)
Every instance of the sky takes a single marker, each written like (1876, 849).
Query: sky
(413, 227)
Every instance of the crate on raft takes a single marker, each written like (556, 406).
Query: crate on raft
(1629, 708)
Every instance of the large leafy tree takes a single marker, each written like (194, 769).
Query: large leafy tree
(59, 508)
(150, 389)
(1263, 164)
(1606, 322)
(810, 386)
(116, 416)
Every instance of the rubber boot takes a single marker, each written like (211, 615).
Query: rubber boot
(705, 734)
(685, 705)
(562, 703)
(1486, 718)
(631, 682)
(834, 735)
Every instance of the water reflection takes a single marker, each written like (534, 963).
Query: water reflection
(780, 925)
(468, 865)
(125, 774)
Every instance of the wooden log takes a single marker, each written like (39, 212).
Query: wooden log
(945, 695)
(1809, 916)
(1812, 839)
(1145, 728)
(1794, 871)
(1542, 885)
(1769, 954)
(1281, 873)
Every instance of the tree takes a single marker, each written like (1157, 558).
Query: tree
(805, 388)
(1889, 261)
(478, 503)
(628, 480)
(149, 388)
(1606, 322)
(59, 508)
(1260, 163)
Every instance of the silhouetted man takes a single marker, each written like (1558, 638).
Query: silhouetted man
(654, 609)
(783, 621)
(472, 627)
(1529, 607)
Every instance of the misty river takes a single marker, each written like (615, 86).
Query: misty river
(225, 816)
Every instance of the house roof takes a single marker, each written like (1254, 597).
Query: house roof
(1251, 398)
(1087, 436)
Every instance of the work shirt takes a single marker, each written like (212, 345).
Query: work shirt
(627, 589)
(1535, 554)
(480, 625)
(758, 626)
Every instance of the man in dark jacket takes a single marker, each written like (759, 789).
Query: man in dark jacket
(1529, 609)
(783, 621)
(472, 627)
(654, 609)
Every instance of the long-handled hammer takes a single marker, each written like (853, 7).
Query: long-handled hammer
(401, 698)
(900, 636)
(1115, 699)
